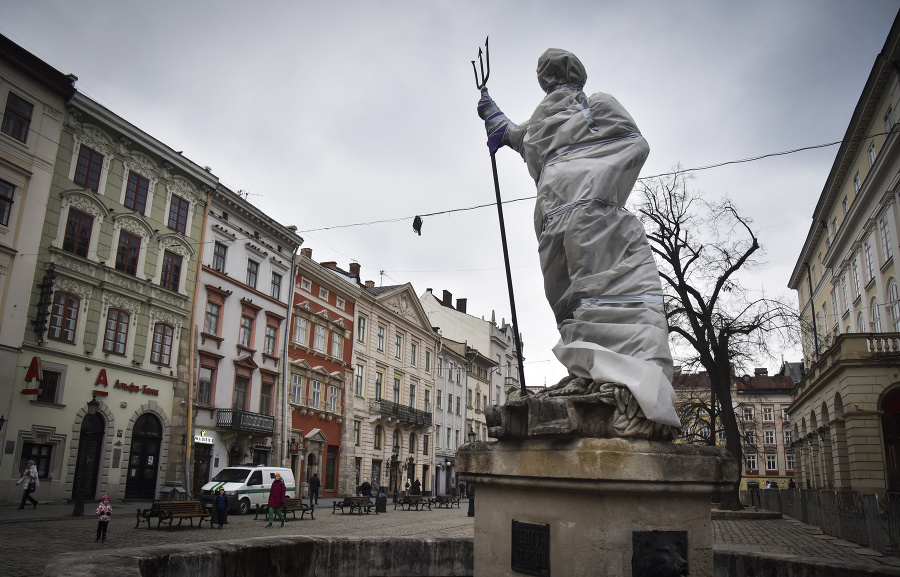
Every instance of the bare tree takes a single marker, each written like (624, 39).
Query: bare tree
(717, 324)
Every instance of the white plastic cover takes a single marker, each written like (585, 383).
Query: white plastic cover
(599, 273)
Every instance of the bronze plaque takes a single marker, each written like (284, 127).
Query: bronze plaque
(530, 548)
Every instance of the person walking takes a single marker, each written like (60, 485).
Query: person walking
(220, 505)
(416, 488)
(366, 488)
(276, 500)
(104, 511)
(314, 484)
(30, 484)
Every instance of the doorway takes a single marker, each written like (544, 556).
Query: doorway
(87, 464)
(202, 458)
(143, 462)
(890, 428)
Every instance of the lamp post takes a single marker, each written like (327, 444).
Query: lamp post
(470, 486)
(78, 510)
(394, 472)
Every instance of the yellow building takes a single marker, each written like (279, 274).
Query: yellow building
(845, 412)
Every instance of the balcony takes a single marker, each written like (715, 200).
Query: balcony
(402, 413)
(245, 421)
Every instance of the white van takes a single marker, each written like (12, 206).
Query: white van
(245, 486)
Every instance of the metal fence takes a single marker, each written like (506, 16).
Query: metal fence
(863, 519)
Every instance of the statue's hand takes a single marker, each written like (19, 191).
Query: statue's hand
(495, 122)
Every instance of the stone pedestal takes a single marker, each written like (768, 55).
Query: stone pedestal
(579, 507)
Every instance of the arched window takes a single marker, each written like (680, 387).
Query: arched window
(876, 315)
(378, 435)
(894, 304)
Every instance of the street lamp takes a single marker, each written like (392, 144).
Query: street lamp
(470, 486)
(93, 405)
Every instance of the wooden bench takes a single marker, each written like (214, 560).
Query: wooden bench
(292, 506)
(168, 511)
(357, 504)
(413, 501)
(445, 501)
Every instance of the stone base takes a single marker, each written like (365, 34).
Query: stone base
(599, 500)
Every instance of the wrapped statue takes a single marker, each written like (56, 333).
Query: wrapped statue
(585, 154)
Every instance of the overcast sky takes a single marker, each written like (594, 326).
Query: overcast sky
(334, 113)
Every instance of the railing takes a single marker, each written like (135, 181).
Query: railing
(862, 519)
(400, 412)
(244, 421)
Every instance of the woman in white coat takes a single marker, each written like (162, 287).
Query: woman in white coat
(30, 484)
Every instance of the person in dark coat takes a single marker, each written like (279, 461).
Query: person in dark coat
(365, 489)
(220, 506)
(276, 500)
(314, 484)
(417, 487)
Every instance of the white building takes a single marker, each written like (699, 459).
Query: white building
(451, 383)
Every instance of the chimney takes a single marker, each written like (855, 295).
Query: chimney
(354, 270)
(370, 284)
(330, 264)
(307, 252)
(461, 305)
(448, 299)
(757, 372)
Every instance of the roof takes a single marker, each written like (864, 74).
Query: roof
(380, 290)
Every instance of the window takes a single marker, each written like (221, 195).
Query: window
(427, 401)
(77, 239)
(469, 398)
(211, 323)
(396, 390)
(87, 171)
(178, 213)
(357, 426)
(6, 202)
(50, 387)
(750, 437)
(297, 389)
(17, 117)
(771, 463)
(425, 445)
(876, 316)
(872, 154)
(162, 344)
(378, 436)
(241, 390)
(398, 347)
(785, 416)
(271, 341)
(748, 413)
(413, 353)
(751, 462)
(886, 248)
(769, 414)
(305, 284)
(358, 380)
(333, 399)
(845, 293)
(458, 399)
(449, 401)
(204, 389)
(252, 273)
(412, 396)
(339, 302)
(857, 183)
(456, 437)
(245, 333)
(40, 454)
(889, 120)
(315, 396)
(449, 444)
(323, 294)
(64, 317)
(265, 399)
(319, 343)
(427, 361)
(834, 306)
(861, 323)
(379, 380)
(497, 395)
(788, 438)
(437, 398)
(276, 286)
(856, 286)
(116, 333)
(894, 305)
(136, 192)
(867, 253)
(788, 462)
(381, 338)
(769, 436)
(171, 271)
(300, 325)
(219, 253)
(128, 252)
(336, 342)
(361, 329)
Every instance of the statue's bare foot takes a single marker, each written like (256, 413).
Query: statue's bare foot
(570, 385)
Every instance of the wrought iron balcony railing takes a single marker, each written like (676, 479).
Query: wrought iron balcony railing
(245, 421)
(404, 414)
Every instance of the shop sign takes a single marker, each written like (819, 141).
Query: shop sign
(202, 438)
(130, 387)
(34, 373)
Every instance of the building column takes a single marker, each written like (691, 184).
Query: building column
(827, 458)
(815, 472)
(841, 463)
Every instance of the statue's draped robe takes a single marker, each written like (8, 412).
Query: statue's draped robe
(599, 273)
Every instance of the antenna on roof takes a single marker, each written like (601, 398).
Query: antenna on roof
(381, 282)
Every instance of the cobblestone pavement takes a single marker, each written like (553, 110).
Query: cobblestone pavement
(29, 538)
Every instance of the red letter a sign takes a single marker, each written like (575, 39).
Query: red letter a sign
(34, 370)
(101, 379)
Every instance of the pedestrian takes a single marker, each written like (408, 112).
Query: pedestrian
(314, 485)
(792, 484)
(276, 500)
(220, 505)
(462, 490)
(30, 484)
(417, 487)
(365, 489)
(104, 511)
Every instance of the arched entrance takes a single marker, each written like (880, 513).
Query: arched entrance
(87, 465)
(143, 462)
(311, 466)
(890, 429)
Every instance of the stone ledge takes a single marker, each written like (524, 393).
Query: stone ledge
(745, 515)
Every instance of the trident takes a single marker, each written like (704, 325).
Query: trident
(480, 83)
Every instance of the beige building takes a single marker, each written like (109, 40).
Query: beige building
(845, 412)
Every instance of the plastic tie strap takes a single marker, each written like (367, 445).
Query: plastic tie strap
(609, 300)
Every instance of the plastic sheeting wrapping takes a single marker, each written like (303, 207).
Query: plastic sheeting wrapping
(585, 154)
